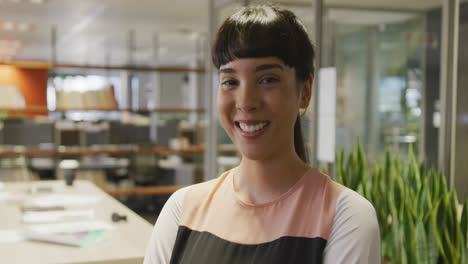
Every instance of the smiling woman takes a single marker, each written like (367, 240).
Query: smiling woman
(273, 207)
(257, 105)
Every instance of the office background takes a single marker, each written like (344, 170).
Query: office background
(126, 90)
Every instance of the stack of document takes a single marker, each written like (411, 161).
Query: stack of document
(64, 219)
(70, 233)
(32, 217)
(61, 199)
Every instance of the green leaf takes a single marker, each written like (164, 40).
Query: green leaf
(455, 226)
(409, 236)
(464, 220)
(423, 169)
(362, 161)
(360, 190)
(348, 177)
(395, 230)
(403, 256)
(339, 166)
(399, 194)
(435, 229)
(424, 203)
(387, 167)
(434, 185)
(422, 249)
(386, 246)
(450, 249)
(463, 252)
(443, 185)
(432, 248)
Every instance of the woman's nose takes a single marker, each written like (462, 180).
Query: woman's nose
(248, 99)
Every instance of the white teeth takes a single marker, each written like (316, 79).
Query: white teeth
(248, 128)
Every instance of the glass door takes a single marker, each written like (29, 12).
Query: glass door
(378, 56)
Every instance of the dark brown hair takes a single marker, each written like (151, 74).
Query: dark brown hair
(264, 31)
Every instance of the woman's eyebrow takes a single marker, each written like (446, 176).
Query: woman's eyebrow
(268, 67)
(227, 70)
(262, 67)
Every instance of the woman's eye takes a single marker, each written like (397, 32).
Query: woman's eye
(267, 80)
(229, 83)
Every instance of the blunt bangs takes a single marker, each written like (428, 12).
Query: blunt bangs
(264, 31)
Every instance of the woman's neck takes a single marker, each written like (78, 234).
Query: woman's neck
(258, 182)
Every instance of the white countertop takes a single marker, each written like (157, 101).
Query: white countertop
(124, 244)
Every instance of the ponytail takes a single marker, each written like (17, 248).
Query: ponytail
(299, 145)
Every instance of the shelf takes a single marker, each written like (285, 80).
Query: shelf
(94, 152)
(29, 109)
(39, 109)
(169, 110)
(113, 152)
(169, 151)
(141, 111)
(48, 65)
(149, 190)
(28, 153)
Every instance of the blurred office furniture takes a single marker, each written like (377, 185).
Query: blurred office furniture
(122, 148)
(27, 133)
(124, 244)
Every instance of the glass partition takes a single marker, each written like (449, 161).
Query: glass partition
(461, 126)
(378, 56)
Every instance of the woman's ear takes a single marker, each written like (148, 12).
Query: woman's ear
(306, 92)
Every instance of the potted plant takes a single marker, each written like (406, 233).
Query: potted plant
(418, 214)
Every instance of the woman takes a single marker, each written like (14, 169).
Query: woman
(272, 208)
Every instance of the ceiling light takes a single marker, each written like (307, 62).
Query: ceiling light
(8, 26)
(30, 1)
(21, 27)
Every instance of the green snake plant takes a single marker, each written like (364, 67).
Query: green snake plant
(417, 213)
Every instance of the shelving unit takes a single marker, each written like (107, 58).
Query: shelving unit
(58, 153)
(132, 151)
(89, 152)
(140, 111)
(51, 66)
(152, 190)
(112, 152)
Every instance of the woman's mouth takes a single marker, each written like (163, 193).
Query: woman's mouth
(252, 128)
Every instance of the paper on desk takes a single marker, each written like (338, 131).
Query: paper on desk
(79, 239)
(10, 236)
(3, 196)
(64, 200)
(11, 197)
(57, 216)
(70, 227)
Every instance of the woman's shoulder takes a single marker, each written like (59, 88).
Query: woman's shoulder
(346, 200)
(355, 236)
(353, 204)
(355, 215)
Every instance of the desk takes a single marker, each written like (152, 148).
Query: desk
(125, 244)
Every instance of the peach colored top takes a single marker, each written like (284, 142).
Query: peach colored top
(316, 221)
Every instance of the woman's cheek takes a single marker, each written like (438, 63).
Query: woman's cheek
(221, 103)
(224, 107)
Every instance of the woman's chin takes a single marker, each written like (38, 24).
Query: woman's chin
(254, 154)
